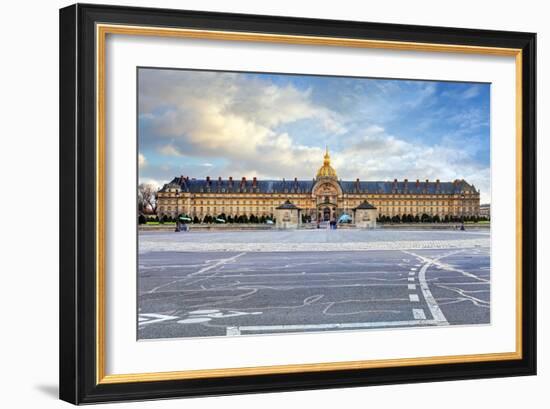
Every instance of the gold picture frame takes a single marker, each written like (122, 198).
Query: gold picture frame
(96, 20)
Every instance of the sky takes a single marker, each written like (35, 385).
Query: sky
(274, 126)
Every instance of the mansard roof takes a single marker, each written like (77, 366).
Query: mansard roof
(306, 186)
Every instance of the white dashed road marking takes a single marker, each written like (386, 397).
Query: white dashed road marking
(430, 300)
(411, 286)
(419, 314)
(414, 298)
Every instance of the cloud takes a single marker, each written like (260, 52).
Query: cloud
(170, 150)
(224, 114)
(376, 155)
(157, 184)
(471, 92)
(142, 162)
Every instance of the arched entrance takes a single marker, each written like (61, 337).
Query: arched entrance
(326, 212)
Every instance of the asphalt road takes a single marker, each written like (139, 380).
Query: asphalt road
(212, 293)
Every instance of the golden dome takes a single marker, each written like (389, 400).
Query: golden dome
(326, 170)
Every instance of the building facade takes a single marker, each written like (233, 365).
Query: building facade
(485, 210)
(324, 197)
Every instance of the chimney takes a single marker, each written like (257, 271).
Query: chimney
(254, 180)
(406, 185)
(208, 179)
(230, 180)
(417, 183)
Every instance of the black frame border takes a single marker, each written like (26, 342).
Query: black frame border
(78, 197)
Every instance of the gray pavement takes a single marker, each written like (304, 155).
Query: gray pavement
(218, 293)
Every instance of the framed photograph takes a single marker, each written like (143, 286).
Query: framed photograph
(257, 203)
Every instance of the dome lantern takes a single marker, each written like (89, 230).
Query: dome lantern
(326, 171)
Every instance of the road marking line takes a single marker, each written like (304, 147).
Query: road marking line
(411, 286)
(414, 298)
(413, 269)
(231, 331)
(411, 278)
(419, 314)
(157, 318)
(436, 312)
(347, 325)
(411, 273)
(202, 270)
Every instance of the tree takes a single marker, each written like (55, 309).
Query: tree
(142, 219)
(147, 198)
(196, 220)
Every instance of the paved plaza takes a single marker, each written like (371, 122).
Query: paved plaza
(198, 284)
